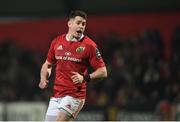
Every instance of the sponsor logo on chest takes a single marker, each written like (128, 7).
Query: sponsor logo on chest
(68, 55)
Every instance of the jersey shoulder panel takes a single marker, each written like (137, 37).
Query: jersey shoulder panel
(88, 41)
(57, 39)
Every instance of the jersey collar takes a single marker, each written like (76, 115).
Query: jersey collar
(74, 40)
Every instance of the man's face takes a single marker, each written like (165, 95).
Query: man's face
(77, 26)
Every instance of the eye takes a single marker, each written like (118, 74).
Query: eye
(78, 22)
(83, 23)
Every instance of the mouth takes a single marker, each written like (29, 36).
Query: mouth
(79, 31)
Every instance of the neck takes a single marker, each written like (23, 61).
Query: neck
(71, 38)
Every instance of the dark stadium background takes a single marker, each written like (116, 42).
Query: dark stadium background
(139, 40)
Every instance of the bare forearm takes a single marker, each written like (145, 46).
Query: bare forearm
(99, 73)
(45, 71)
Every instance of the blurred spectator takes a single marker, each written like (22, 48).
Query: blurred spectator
(138, 74)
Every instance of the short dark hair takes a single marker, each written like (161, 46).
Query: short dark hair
(75, 13)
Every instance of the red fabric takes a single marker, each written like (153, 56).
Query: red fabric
(72, 57)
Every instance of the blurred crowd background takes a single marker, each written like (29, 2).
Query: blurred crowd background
(142, 74)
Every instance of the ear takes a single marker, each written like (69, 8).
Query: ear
(69, 23)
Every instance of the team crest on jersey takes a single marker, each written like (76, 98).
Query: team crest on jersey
(80, 49)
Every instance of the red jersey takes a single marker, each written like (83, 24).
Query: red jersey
(72, 57)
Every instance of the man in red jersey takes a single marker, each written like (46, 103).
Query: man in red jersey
(72, 53)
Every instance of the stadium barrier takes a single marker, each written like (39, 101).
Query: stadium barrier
(35, 111)
(22, 111)
(1, 111)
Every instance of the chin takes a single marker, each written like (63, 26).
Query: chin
(77, 36)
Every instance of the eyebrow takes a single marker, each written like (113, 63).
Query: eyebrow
(81, 21)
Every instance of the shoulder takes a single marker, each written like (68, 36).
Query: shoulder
(57, 38)
(89, 42)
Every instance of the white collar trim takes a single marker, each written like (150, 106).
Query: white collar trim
(74, 39)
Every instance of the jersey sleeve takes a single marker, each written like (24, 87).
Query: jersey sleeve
(95, 58)
(51, 53)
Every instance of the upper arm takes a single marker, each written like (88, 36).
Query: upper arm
(51, 53)
(95, 57)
